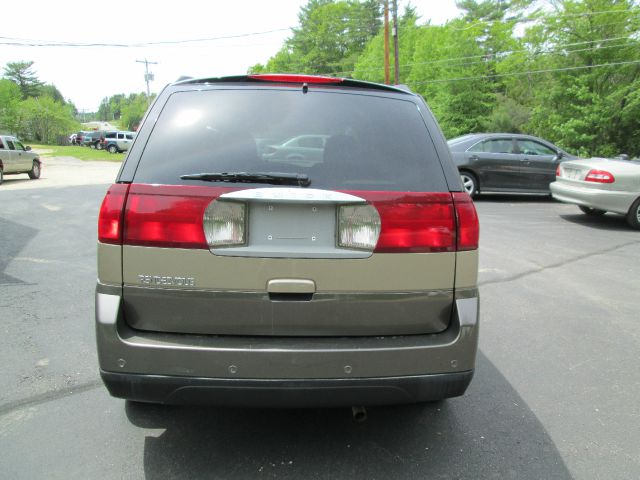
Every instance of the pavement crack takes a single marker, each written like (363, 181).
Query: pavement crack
(556, 265)
(49, 396)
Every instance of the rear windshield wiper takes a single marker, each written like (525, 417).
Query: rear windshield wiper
(273, 178)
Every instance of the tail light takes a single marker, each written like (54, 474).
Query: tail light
(467, 221)
(558, 173)
(166, 216)
(295, 78)
(111, 213)
(599, 176)
(413, 222)
(186, 217)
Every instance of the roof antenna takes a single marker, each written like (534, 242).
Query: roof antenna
(305, 88)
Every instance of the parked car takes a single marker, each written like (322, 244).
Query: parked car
(118, 142)
(305, 150)
(95, 139)
(227, 279)
(600, 185)
(15, 158)
(506, 162)
(79, 139)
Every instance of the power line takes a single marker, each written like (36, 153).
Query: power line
(483, 58)
(538, 17)
(515, 74)
(52, 43)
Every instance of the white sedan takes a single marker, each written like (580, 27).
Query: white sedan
(600, 185)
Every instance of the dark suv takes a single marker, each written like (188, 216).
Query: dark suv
(229, 277)
(95, 139)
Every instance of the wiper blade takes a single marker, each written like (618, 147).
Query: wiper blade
(272, 178)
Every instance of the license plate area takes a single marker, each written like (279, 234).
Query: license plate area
(572, 173)
(292, 223)
(288, 228)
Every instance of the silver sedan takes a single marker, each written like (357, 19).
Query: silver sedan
(600, 185)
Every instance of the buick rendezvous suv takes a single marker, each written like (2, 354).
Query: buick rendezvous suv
(228, 277)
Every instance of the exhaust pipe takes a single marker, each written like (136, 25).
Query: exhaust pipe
(359, 414)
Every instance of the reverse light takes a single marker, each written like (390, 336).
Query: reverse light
(224, 224)
(599, 176)
(358, 227)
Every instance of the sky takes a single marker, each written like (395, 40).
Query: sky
(254, 30)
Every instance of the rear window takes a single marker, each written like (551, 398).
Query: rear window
(341, 140)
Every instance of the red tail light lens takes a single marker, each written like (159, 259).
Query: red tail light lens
(599, 176)
(468, 224)
(167, 216)
(558, 173)
(110, 217)
(413, 222)
(285, 78)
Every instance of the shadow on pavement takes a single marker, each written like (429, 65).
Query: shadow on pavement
(513, 198)
(488, 433)
(609, 221)
(13, 238)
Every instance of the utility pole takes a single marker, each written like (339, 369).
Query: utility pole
(395, 42)
(386, 42)
(148, 76)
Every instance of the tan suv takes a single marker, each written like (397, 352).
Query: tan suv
(227, 277)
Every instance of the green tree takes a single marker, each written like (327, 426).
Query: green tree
(133, 110)
(44, 120)
(52, 92)
(10, 98)
(588, 100)
(370, 64)
(331, 36)
(21, 74)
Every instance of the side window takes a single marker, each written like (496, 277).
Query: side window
(311, 142)
(1, 144)
(129, 136)
(10, 145)
(19, 146)
(498, 145)
(121, 136)
(531, 147)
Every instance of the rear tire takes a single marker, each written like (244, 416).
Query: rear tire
(1, 175)
(633, 216)
(113, 149)
(594, 212)
(470, 183)
(35, 171)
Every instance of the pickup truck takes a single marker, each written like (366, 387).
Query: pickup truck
(16, 158)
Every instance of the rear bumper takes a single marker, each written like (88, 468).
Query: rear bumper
(285, 393)
(610, 200)
(285, 371)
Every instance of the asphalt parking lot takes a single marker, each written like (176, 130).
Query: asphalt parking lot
(555, 393)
